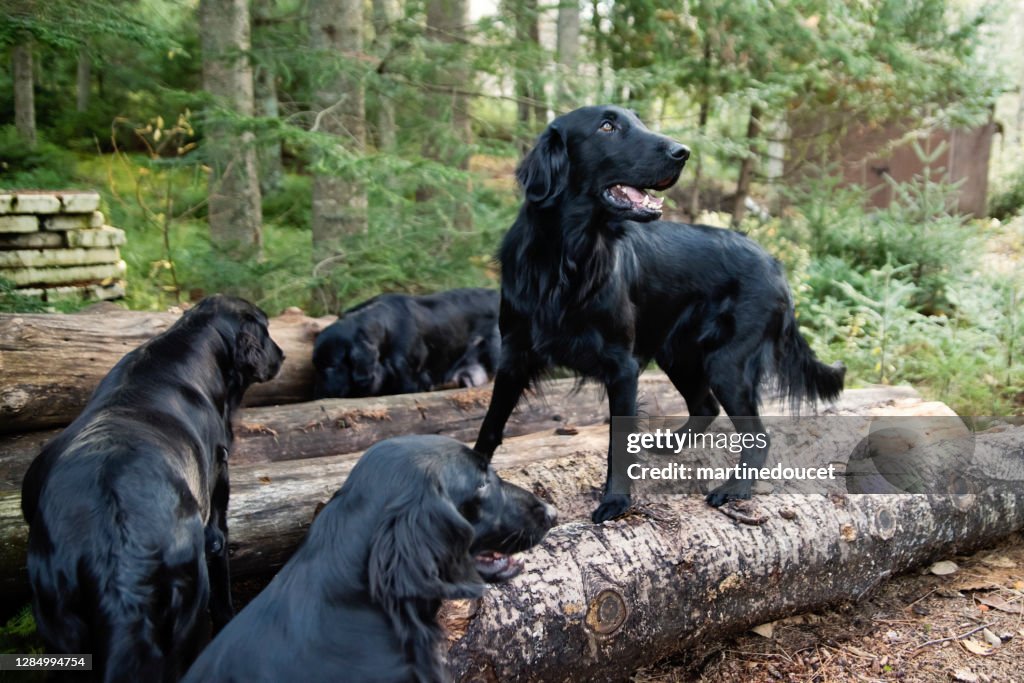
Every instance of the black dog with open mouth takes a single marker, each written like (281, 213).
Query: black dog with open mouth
(419, 520)
(593, 281)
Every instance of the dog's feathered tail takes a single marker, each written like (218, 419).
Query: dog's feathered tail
(801, 377)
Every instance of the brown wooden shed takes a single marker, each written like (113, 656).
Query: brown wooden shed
(868, 153)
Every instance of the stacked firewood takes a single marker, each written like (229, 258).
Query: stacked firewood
(55, 245)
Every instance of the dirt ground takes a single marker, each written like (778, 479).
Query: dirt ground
(965, 625)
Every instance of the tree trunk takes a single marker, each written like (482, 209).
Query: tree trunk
(702, 125)
(83, 80)
(339, 200)
(746, 175)
(24, 91)
(599, 601)
(531, 113)
(51, 363)
(529, 93)
(567, 55)
(447, 103)
(235, 213)
(266, 103)
(385, 14)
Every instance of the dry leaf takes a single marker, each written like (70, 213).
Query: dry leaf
(1001, 604)
(765, 630)
(977, 647)
(965, 676)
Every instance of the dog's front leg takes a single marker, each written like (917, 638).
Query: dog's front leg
(509, 385)
(622, 390)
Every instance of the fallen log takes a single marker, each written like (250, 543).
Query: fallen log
(597, 602)
(272, 504)
(336, 426)
(51, 363)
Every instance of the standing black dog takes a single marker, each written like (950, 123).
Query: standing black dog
(419, 520)
(399, 344)
(592, 281)
(127, 506)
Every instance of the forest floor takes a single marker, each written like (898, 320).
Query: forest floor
(966, 625)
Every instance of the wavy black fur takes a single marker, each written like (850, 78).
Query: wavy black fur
(358, 600)
(599, 285)
(127, 506)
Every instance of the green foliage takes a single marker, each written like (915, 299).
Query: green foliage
(25, 167)
(13, 302)
(18, 635)
(1008, 199)
(895, 294)
(920, 232)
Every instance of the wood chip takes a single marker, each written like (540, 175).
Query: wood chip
(943, 568)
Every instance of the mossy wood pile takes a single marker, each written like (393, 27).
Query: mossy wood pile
(55, 245)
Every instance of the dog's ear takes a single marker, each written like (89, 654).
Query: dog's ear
(253, 348)
(420, 550)
(544, 172)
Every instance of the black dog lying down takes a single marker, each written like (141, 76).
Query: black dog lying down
(420, 519)
(399, 344)
(128, 504)
(593, 282)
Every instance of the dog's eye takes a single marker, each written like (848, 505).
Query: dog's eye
(470, 510)
(607, 127)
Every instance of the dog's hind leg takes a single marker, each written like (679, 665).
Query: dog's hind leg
(216, 537)
(685, 369)
(736, 390)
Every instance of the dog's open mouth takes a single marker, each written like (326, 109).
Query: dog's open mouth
(636, 199)
(494, 566)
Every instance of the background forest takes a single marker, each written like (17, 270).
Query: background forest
(314, 153)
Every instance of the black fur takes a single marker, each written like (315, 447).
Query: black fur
(593, 282)
(414, 524)
(128, 504)
(398, 344)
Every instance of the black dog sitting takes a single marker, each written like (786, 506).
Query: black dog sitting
(399, 344)
(128, 504)
(592, 281)
(420, 519)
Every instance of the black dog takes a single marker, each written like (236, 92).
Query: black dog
(420, 519)
(593, 282)
(128, 504)
(399, 344)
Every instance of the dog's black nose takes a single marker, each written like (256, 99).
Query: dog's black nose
(679, 152)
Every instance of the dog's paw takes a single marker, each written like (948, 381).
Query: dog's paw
(734, 489)
(612, 505)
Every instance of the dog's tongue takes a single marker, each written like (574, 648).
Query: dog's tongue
(494, 566)
(638, 197)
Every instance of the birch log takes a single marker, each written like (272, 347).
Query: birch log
(597, 602)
